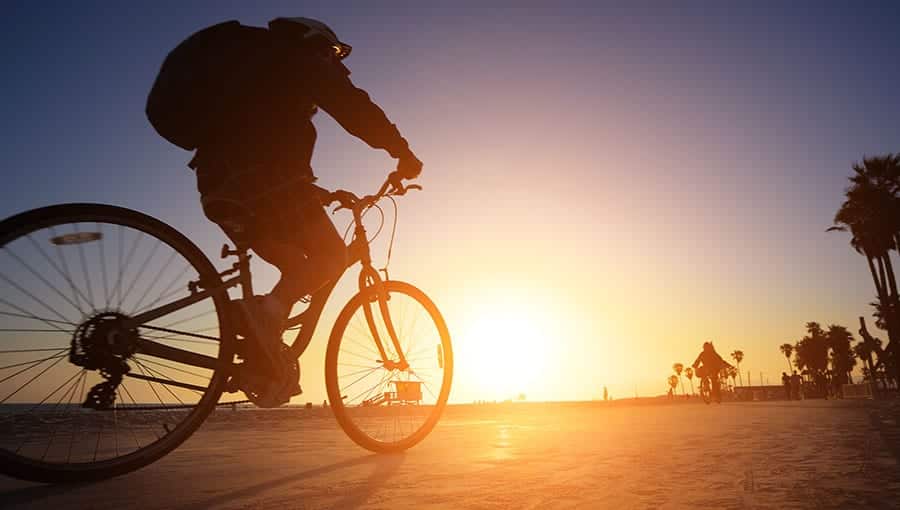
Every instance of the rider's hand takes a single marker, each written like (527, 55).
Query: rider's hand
(409, 166)
(342, 197)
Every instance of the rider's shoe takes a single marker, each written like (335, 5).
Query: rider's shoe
(261, 322)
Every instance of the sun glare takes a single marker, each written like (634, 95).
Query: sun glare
(505, 352)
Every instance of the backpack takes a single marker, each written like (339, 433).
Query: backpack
(197, 82)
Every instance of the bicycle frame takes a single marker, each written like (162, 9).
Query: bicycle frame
(369, 281)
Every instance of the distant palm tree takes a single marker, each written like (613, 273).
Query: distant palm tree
(673, 384)
(811, 355)
(843, 359)
(689, 372)
(724, 374)
(738, 356)
(678, 368)
(787, 350)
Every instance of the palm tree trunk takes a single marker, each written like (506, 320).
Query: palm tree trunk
(879, 291)
(890, 274)
(789, 363)
(739, 372)
(884, 290)
(892, 319)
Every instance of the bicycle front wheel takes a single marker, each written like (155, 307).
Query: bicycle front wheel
(706, 390)
(82, 395)
(381, 407)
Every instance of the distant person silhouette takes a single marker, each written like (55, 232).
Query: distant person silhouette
(786, 382)
(709, 364)
(796, 386)
(244, 97)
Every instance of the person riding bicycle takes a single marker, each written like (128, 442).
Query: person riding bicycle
(709, 364)
(252, 92)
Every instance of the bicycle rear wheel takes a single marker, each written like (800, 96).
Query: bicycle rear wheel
(389, 409)
(80, 398)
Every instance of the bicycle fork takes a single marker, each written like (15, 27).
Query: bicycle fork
(370, 282)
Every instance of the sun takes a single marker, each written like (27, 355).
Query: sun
(504, 352)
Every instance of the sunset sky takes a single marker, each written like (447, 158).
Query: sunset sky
(605, 187)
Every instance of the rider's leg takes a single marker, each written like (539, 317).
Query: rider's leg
(312, 255)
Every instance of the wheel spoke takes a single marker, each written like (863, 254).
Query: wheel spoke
(170, 290)
(41, 278)
(87, 278)
(77, 377)
(57, 349)
(60, 354)
(76, 423)
(75, 291)
(67, 275)
(368, 392)
(133, 401)
(155, 280)
(165, 385)
(368, 373)
(33, 297)
(130, 429)
(367, 370)
(124, 268)
(188, 319)
(103, 265)
(141, 271)
(170, 367)
(32, 362)
(42, 372)
(25, 315)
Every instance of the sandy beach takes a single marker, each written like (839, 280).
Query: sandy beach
(810, 454)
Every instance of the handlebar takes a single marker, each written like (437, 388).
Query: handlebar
(393, 186)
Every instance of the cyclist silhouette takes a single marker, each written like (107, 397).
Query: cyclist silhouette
(244, 97)
(709, 364)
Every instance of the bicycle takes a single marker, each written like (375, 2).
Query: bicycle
(153, 339)
(706, 389)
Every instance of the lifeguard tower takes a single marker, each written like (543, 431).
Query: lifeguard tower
(405, 393)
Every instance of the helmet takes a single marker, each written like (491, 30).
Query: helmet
(311, 29)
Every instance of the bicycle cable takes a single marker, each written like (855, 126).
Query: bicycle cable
(393, 235)
(377, 232)
(380, 228)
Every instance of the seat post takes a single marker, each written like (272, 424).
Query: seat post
(242, 266)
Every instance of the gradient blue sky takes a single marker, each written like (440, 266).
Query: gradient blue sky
(628, 180)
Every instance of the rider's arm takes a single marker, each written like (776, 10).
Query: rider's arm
(697, 361)
(352, 108)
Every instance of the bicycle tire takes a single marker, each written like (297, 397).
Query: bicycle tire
(23, 224)
(344, 413)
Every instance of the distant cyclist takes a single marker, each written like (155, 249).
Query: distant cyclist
(243, 98)
(709, 364)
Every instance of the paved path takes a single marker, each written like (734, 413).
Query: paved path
(811, 454)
